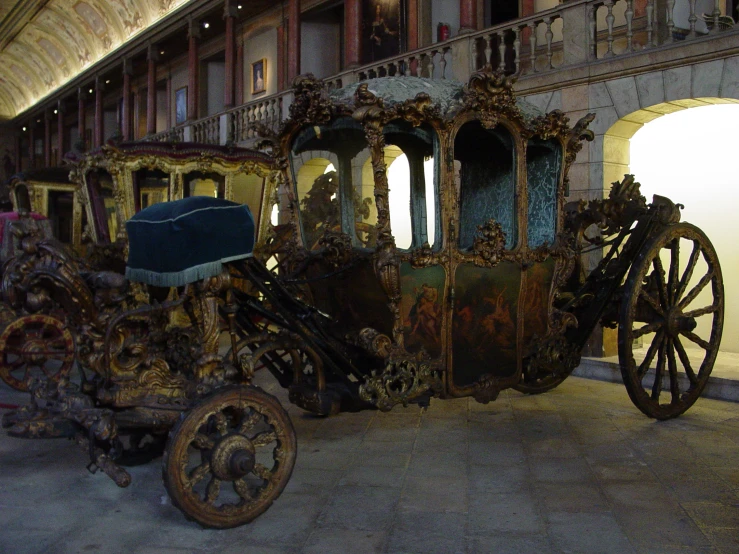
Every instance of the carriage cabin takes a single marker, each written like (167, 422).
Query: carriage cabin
(430, 212)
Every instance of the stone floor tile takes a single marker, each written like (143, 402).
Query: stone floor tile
(498, 479)
(571, 497)
(509, 543)
(587, 533)
(330, 539)
(428, 532)
(360, 508)
(449, 494)
(660, 527)
(714, 514)
(561, 470)
(726, 541)
(373, 476)
(512, 513)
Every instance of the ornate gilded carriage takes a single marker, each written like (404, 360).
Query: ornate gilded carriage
(423, 249)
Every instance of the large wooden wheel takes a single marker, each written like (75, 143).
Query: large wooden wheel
(673, 305)
(35, 346)
(229, 457)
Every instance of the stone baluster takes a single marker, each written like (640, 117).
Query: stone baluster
(716, 14)
(610, 18)
(593, 27)
(692, 19)
(517, 49)
(549, 35)
(430, 67)
(650, 23)
(473, 56)
(419, 65)
(629, 14)
(532, 45)
(442, 63)
(670, 20)
(489, 51)
(501, 50)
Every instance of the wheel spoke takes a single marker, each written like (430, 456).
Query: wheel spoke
(688, 273)
(202, 442)
(657, 385)
(656, 343)
(242, 489)
(649, 328)
(697, 340)
(672, 282)
(199, 473)
(213, 490)
(685, 361)
(263, 439)
(221, 422)
(652, 301)
(672, 367)
(262, 472)
(660, 271)
(702, 311)
(250, 422)
(696, 290)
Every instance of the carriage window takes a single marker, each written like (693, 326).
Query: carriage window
(22, 199)
(487, 181)
(247, 189)
(204, 184)
(152, 187)
(100, 189)
(410, 162)
(335, 186)
(543, 165)
(59, 209)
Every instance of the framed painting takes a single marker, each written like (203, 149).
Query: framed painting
(259, 76)
(383, 29)
(180, 105)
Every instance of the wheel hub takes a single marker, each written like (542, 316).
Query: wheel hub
(233, 457)
(34, 351)
(677, 323)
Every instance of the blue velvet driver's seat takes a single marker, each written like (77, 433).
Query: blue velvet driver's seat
(175, 243)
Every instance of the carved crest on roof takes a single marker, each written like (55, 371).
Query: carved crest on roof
(491, 95)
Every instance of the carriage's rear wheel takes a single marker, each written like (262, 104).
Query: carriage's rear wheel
(35, 346)
(670, 321)
(230, 457)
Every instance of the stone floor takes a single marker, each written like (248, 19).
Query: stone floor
(578, 469)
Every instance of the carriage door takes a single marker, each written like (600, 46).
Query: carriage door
(484, 331)
(412, 156)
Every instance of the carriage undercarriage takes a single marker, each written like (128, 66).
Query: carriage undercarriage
(169, 369)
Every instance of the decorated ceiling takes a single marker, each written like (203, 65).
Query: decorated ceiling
(44, 44)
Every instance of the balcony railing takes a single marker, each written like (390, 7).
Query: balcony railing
(571, 34)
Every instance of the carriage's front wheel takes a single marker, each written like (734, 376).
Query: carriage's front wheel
(35, 346)
(670, 321)
(229, 457)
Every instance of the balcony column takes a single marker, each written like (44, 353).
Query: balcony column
(293, 40)
(352, 33)
(152, 57)
(18, 157)
(31, 145)
(467, 16)
(281, 62)
(126, 101)
(168, 106)
(81, 114)
(60, 109)
(98, 133)
(47, 138)
(239, 84)
(229, 14)
(412, 24)
(193, 69)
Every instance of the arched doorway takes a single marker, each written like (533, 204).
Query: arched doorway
(689, 156)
